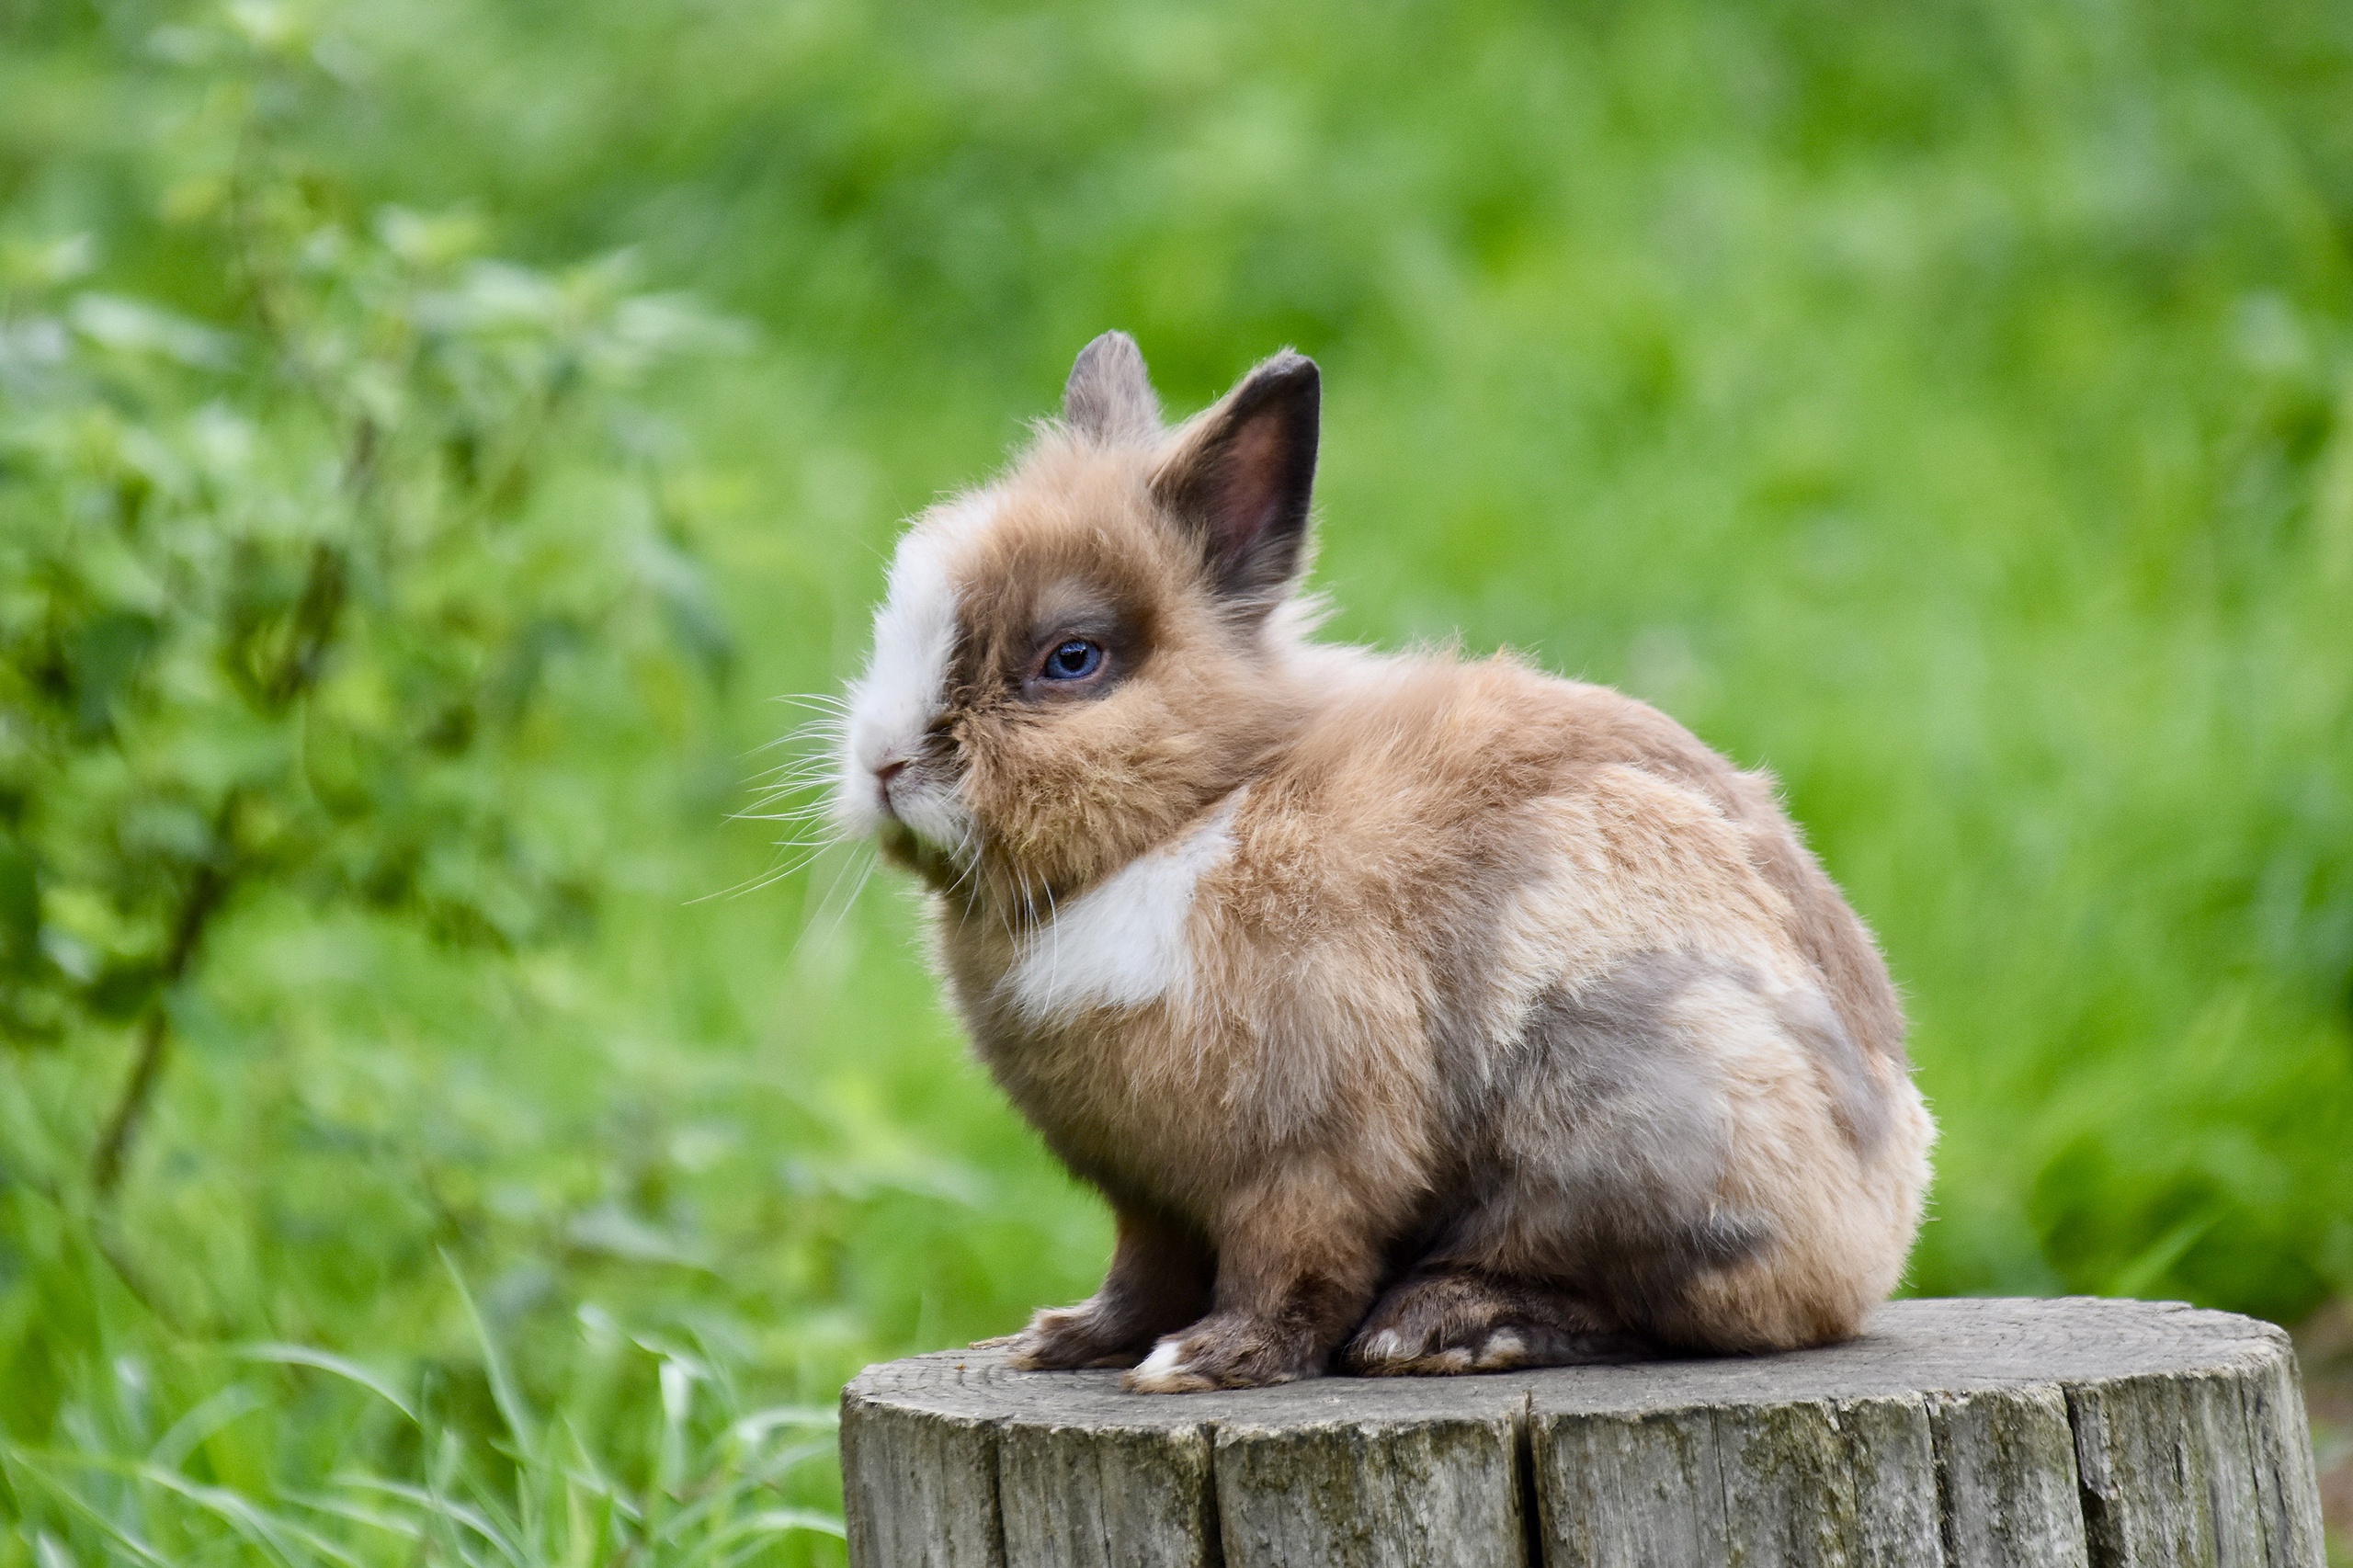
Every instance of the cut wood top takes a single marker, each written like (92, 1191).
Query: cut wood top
(1913, 1347)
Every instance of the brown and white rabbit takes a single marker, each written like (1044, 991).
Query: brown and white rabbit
(1438, 1014)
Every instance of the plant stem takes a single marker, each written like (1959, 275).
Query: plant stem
(205, 894)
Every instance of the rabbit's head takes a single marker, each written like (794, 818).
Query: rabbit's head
(1077, 657)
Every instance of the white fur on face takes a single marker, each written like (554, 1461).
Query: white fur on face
(905, 682)
(1124, 943)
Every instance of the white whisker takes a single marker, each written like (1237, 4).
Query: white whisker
(834, 907)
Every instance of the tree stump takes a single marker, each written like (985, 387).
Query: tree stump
(1961, 1432)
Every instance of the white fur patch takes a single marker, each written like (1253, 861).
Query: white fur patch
(1502, 1348)
(1166, 1359)
(907, 675)
(1124, 943)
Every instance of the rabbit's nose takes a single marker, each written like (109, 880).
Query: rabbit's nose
(885, 772)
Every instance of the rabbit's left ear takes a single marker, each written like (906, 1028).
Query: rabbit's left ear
(1241, 477)
(1109, 392)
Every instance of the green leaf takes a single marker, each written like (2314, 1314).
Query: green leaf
(327, 1361)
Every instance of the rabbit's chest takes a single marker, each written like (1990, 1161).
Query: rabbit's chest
(1136, 1092)
(1130, 942)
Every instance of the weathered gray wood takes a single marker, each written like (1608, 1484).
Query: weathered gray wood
(2005, 1479)
(1803, 1483)
(2286, 1486)
(1372, 1495)
(2160, 1483)
(1091, 1497)
(1891, 1448)
(1625, 1489)
(919, 1488)
(2187, 1469)
(1955, 1435)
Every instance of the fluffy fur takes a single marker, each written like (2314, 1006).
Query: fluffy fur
(1425, 1014)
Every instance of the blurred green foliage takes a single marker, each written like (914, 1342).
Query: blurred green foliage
(1949, 406)
(289, 624)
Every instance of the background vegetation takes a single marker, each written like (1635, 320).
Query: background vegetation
(1949, 406)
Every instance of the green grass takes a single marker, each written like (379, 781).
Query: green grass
(1948, 406)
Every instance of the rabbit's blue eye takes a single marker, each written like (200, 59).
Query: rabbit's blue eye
(1074, 660)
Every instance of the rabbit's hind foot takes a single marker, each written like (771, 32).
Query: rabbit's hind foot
(1467, 1321)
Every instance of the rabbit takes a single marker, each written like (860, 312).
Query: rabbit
(1414, 1014)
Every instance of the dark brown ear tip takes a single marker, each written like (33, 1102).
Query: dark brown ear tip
(1289, 377)
(1290, 365)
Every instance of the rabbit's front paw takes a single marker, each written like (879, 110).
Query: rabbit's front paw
(1083, 1335)
(1225, 1350)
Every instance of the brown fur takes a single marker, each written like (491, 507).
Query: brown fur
(1499, 994)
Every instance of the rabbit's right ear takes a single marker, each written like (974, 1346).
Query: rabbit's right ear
(1110, 395)
(1240, 477)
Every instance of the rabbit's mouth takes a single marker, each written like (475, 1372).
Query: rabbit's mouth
(924, 806)
(919, 822)
(941, 867)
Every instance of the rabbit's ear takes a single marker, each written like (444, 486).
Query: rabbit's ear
(1110, 394)
(1240, 476)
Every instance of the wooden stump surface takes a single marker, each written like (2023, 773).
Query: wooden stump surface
(1956, 1434)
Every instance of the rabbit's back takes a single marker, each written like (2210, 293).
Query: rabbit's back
(1532, 959)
